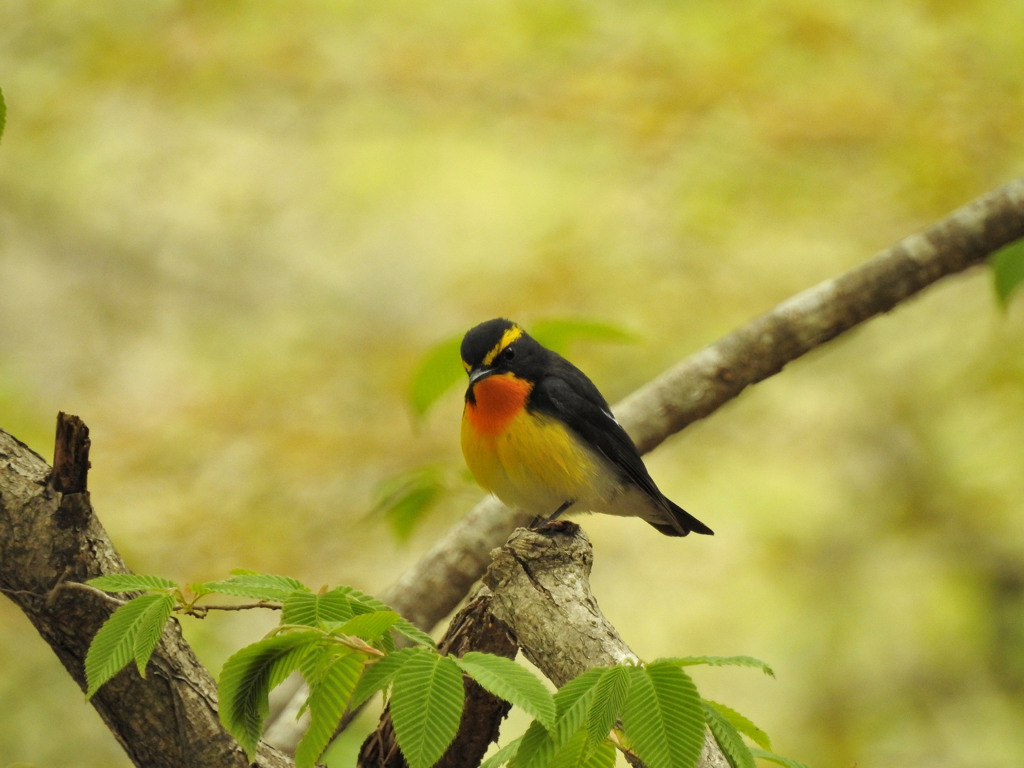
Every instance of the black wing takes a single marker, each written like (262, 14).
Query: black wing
(566, 393)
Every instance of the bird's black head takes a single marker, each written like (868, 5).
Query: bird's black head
(499, 346)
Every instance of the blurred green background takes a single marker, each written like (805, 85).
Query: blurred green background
(229, 232)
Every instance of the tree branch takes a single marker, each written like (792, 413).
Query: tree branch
(51, 540)
(541, 586)
(701, 384)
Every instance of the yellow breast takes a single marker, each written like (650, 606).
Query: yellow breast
(534, 462)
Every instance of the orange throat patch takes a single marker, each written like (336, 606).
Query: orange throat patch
(499, 398)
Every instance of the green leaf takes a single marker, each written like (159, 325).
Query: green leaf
(511, 682)
(771, 757)
(248, 677)
(663, 717)
(300, 608)
(3, 113)
(572, 703)
(609, 699)
(602, 756)
(733, 747)
(130, 582)
(261, 586)
(402, 626)
(197, 590)
(503, 755)
(404, 499)
(331, 687)
(587, 708)
(720, 661)
(558, 333)
(414, 633)
(361, 602)
(1008, 270)
(150, 629)
(438, 371)
(385, 643)
(114, 644)
(379, 675)
(573, 699)
(742, 724)
(370, 626)
(572, 754)
(309, 610)
(426, 706)
(579, 752)
(536, 747)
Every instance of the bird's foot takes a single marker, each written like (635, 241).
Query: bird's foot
(539, 522)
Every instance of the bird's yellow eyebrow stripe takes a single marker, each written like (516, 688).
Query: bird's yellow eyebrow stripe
(507, 338)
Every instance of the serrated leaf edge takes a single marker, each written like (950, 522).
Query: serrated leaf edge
(426, 707)
(511, 682)
(112, 648)
(729, 740)
(150, 629)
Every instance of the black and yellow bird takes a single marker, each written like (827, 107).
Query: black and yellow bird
(537, 434)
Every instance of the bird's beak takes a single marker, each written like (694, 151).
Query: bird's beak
(479, 373)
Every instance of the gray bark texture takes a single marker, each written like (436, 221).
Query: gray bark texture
(540, 581)
(49, 539)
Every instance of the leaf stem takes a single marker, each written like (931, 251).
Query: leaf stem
(200, 611)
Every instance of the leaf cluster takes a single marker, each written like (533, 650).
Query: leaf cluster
(342, 642)
(330, 637)
(652, 710)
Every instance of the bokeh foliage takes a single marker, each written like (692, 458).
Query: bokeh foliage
(229, 232)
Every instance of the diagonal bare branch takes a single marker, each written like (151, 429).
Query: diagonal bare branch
(701, 384)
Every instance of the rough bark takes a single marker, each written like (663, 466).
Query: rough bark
(50, 539)
(541, 586)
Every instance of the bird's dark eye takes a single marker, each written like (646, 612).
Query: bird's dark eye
(508, 354)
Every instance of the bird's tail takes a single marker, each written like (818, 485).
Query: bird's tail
(682, 522)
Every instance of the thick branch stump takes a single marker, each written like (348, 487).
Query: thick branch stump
(541, 586)
(49, 539)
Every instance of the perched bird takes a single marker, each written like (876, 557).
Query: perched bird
(538, 435)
